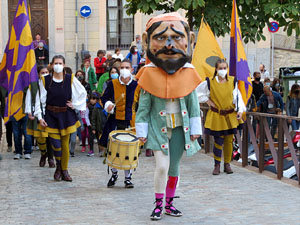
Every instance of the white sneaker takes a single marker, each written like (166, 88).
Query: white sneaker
(27, 156)
(17, 156)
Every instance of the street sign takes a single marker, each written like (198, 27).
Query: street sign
(85, 11)
(274, 27)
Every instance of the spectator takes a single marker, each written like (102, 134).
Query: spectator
(19, 129)
(105, 76)
(257, 86)
(114, 73)
(80, 76)
(134, 57)
(41, 55)
(264, 73)
(118, 54)
(138, 44)
(276, 86)
(98, 63)
(90, 76)
(109, 61)
(86, 57)
(267, 82)
(38, 40)
(293, 105)
(271, 102)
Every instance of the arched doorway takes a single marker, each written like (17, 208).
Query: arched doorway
(39, 16)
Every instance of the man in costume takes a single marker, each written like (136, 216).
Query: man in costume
(168, 118)
(119, 100)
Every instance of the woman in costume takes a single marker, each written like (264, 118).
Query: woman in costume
(224, 115)
(61, 93)
(41, 136)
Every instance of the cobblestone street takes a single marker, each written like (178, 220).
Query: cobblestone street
(30, 196)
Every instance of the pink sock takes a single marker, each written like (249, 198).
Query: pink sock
(170, 189)
(159, 203)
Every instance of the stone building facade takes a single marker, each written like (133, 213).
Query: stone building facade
(59, 29)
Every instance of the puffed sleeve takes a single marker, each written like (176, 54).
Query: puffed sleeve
(41, 98)
(28, 102)
(203, 92)
(78, 95)
(238, 100)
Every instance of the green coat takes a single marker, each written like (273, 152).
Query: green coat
(151, 121)
(104, 77)
(92, 78)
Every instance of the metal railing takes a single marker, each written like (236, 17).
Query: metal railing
(260, 145)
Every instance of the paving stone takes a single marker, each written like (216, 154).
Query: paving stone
(29, 195)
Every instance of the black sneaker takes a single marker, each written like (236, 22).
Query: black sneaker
(112, 181)
(157, 211)
(72, 154)
(128, 184)
(170, 209)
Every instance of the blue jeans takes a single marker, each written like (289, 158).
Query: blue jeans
(19, 129)
(79, 133)
(273, 125)
(295, 124)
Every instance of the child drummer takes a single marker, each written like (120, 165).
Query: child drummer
(119, 100)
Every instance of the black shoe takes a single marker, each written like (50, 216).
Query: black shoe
(157, 215)
(72, 154)
(128, 183)
(170, 209)
(112, 181)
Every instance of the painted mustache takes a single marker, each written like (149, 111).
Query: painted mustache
(172, 51)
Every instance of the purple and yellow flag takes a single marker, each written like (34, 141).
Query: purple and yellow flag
(18, 66)
(238, 66)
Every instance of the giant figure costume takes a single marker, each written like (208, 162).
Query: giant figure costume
(168, 118)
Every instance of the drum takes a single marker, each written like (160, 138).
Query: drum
(123, 150)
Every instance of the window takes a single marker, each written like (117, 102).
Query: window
(120, 26)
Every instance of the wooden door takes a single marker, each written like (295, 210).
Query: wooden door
(39, 16)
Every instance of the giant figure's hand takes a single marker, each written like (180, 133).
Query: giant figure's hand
(142, 139)
(194, 137)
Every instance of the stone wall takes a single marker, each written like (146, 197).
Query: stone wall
(285, 58)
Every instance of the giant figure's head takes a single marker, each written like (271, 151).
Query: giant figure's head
(168, 41)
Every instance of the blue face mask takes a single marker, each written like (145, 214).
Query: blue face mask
(114, 76)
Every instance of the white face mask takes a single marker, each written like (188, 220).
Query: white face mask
(125, 73)
(222, 73)
(58, 68)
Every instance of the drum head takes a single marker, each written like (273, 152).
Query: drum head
(126, 137)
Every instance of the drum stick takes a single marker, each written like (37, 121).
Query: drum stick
(130, 128)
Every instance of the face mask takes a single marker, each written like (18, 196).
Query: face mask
(297, 92)
(58, 68)
(268, 84)
(277, 85)
(40, 48)
(125, 73)
(114, 76)
(136, 50)
(80, 78)
(257, 78)
(222, 73)
(45, 74)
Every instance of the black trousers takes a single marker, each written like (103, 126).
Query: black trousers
(8, 127)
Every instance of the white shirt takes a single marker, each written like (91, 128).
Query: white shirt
(204, 94)
(120, 56)
(78, 97)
